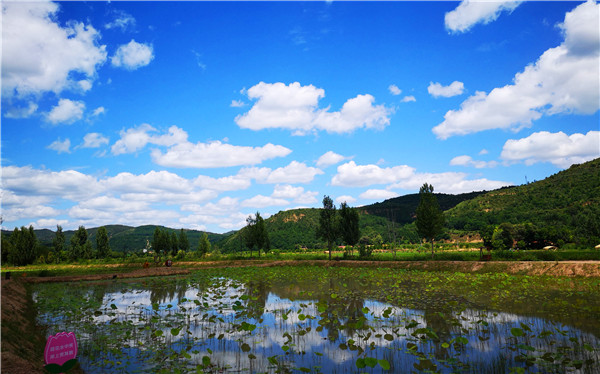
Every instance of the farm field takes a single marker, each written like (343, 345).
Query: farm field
(328, 319)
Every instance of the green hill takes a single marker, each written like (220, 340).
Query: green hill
(297, 228)
(566, 205)
(402, 209)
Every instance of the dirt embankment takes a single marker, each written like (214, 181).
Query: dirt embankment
(22, 341)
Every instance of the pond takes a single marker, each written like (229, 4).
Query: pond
(329, 320)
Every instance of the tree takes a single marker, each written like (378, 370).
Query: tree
(59, 240)
(81, 247)
(184, 243)
(349, 229)
(203, 245)
(486, 234)
(22, 247)
(102, 246)
(161, 242)
(328, 229)
(502, 237)
(430, 218)
(256, 235)
(174, 243)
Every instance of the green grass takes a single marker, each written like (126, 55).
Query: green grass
(136, 262)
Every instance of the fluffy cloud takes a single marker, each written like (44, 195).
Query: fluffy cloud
(67, 111)
(230, 183)
(122, 21)
(377, 194)
(61, 146)
(184, 154)
(298, 194)
(295, 107)
(565, 79)
(161, 182)
(394, 90)
(408, 99)
(136, 138)
(470, 13)
(345, 198)
(237, 104)
(437, 90)
(69, 184)
(465, 160)
(21, 112)
(558, 148)
(406, 178)
(352, 175)
(330, 158)
(216, 154)
(260, 201)
(98, 111)
(295, 172)
(125, 198)
(94, 140)
(448, 182)
(43, 56)
(133, 55)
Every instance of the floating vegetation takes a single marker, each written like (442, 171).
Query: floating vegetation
(329, 320)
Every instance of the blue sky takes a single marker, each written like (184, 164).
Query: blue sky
(198, 114)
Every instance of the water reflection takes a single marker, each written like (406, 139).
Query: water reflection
(261, 326)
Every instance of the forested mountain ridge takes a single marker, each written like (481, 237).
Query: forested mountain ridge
(402, 209)
(567, 202)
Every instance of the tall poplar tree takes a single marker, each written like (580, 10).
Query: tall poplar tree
(102, 246)
(328, 229)
(430, 218)
(349, 228)
(184, 243)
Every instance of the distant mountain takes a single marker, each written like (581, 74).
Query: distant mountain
(126, 238)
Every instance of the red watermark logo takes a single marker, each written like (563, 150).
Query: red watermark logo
(61, 352)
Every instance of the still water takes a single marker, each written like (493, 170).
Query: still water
(307, 320)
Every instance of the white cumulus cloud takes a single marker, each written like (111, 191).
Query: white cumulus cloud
(21, 112)
(345, 198)
(94, 140)
(38, 55)
(437, 90)
(352, 175)
(67, 111)
(133, 55)
(471, 12)
(394, 90)
(558, 148)
(295, 172)
(465, 160)
(260, 201)
(375, 194)
(295, 107)
(61, 146)
(330, 158)
(565, 79)
(136, 138)
(216, 154)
